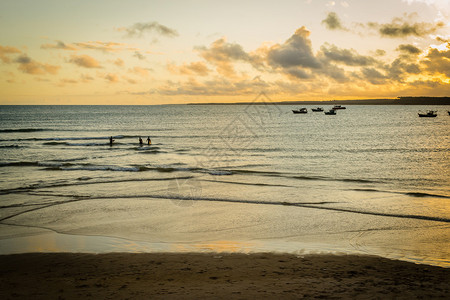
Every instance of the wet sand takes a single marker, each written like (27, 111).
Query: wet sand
(222, 276)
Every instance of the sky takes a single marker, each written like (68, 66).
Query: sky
(194, 51)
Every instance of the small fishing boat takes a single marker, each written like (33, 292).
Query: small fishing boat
(330, 112)
(300, 111)
(429, 114)
(317, 109)
(448, 112)
(339, 107)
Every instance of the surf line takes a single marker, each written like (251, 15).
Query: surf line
(314, 205)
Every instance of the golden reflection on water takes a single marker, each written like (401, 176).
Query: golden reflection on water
(54, 243)
(216, 246)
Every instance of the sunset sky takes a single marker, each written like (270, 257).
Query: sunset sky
(164, 52)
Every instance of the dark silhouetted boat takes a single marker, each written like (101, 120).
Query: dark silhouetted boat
(429, 114)
(317, 109)
(339, 107)
(300, 111)
(448, 112)
(330, 112)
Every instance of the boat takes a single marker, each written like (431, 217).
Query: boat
(339, 107)
(429, 114)
(300, 111)
(317, 109)
(448, 112)
(330, 112)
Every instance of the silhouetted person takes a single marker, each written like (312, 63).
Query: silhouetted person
(149, 141)
(111, 141)
(140, 141)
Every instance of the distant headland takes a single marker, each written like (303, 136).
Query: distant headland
(394, 101)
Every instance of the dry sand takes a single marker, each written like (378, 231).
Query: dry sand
(222, 276)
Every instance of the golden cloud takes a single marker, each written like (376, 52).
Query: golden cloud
(91, 45)
(112, 77)
(139, 71)
(194, 68)
(119, 62)
(59, 45)
(84, 61)
(103, 46)
(5, 51)
(29, 66)
(437, 61)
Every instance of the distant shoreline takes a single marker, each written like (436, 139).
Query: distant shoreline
(388, 101)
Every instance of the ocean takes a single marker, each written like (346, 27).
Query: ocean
(235, 178)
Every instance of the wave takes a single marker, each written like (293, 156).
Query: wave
(76, 144)
(106, 138)
(303, 177)
(247, 183)
(54, 143)
(418, 194)
(85, 181)
(11, 146)
(88, 167)
(19, 164)
(412, 194)
(174, 196)
(149, 149)
(132, 168)
(312, 205)
(25, 130)
(170, 169)
(219, 172)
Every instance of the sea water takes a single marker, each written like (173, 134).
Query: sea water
(253, 177)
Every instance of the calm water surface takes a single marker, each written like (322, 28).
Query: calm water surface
(372, 179)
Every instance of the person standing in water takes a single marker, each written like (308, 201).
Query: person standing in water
(140, 141)
(149, 141)
(111, 141)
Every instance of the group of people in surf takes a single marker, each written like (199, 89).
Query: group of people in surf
(141, 142)
(149, 141)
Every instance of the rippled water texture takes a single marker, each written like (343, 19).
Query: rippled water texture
(371, 179)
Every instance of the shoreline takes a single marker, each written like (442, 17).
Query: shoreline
(218, 275)
(53, 242)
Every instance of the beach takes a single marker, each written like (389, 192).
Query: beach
(265, 204)
(216, 275)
